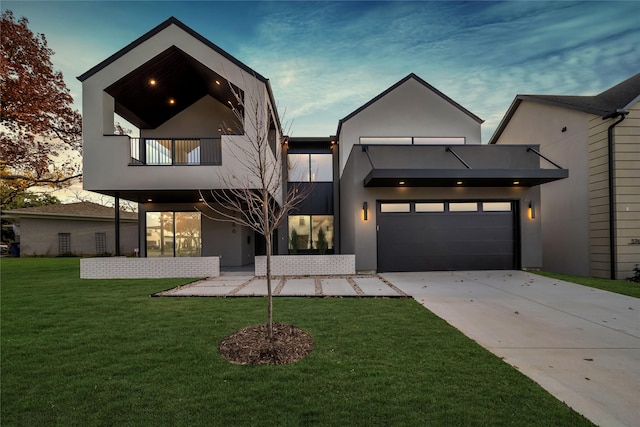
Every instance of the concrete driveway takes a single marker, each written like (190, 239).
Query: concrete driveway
(580, 344)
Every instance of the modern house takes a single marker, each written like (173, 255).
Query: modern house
(74, 229)
(405, 184)
(179, 90)
(591, 221)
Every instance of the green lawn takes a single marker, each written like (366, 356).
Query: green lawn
(623, 287)
(102, 352)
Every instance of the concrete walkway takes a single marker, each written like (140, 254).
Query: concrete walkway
(244, 284)
(580, 344)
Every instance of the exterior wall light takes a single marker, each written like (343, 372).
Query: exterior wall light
(365, 211)
(532, 211)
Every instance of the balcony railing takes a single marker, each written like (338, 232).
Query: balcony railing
(176, 151)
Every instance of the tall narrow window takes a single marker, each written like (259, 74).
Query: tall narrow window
(101, 243)
(188, 242)
(64, 243)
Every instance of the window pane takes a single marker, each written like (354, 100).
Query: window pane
(429, 207)
(385, 140)
(438, 140)
(463, 207)
(299, 232)
(159, 234)
(395, 207)
(188, 241)
(322, 232)
(298, 167)
(496, 206)
(158, 151)
(321, 167)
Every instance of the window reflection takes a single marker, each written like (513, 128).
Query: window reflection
(173, 234)
(310, 233)
(310, 167)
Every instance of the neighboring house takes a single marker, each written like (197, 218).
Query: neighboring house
(404, 185)
(591, 221)
(78, 229)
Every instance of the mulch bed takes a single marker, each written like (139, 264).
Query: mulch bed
(251, 345)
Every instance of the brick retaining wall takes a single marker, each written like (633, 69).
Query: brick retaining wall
(306, 265)
(148, 268)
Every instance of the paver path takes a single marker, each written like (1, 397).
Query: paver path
(236, 285)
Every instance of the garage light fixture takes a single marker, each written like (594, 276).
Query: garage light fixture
(532, 211)
(365, 211)
(401, 183)
(459, 182)
(516, 182)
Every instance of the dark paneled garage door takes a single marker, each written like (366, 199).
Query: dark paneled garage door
(429, 236)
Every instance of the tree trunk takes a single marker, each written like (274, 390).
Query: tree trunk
(267, 238)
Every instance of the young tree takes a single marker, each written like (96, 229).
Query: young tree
(254, 197)
(39, 130)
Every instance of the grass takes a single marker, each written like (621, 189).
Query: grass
(623, 287)
(102, 352)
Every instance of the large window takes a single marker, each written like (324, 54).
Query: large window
(173, 234)
(310, 168)
(311, 233)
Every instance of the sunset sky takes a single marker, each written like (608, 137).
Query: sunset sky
(325, 59)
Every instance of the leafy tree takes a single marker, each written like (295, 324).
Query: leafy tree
(39, 130)
(27, 199)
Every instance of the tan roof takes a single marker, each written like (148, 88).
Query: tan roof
(78, 210)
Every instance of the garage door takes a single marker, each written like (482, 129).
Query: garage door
(430, 236)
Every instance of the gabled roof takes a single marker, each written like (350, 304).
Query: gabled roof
(619, 97)
(400, 83)
(183, 75)
(87, 210)
(157, 30)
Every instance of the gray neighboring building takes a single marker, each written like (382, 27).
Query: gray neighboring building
(591, 221)
(78, 229)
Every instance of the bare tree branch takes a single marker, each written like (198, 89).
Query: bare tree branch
(253, 194)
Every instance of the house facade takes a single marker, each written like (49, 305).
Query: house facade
(591, 221)
(404, 184)
(73, 229)
(182, 93)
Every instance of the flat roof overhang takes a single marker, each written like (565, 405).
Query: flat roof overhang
(462, 177)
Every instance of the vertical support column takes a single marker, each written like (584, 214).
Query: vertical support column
(117, 221)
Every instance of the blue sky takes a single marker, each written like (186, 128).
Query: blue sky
(325, 59)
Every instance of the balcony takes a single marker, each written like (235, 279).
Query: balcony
(175, 151)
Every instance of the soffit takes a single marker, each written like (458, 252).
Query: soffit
(462, 177)
(178, 77)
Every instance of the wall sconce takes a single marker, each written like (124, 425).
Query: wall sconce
(532, 211)
(365, 211)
